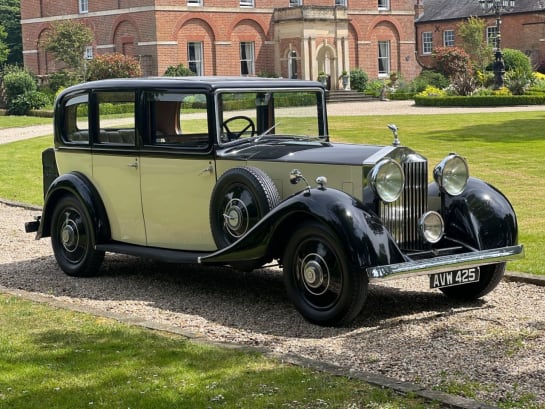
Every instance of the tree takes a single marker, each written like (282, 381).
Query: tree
(10, 16)
(113, 66)
(4, 50)
(451, 61)
(67, 41)
(471, 33)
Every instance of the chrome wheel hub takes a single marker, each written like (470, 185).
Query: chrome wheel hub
(236, 218)
(70, 235)
(315, 274)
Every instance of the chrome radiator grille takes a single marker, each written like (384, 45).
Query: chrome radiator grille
(401, 217)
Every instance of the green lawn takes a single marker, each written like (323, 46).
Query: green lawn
(73, 360)
(505, 149)
(19, 121)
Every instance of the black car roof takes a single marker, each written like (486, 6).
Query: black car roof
(209, 83)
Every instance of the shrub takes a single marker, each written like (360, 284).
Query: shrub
(463, 84)
(358, 79)
(516, 60)
(518, 80)
(429, 77)
(451, 61)
(24, 103)
(18, 81)
(375, 88)
(113, 66)
(61, 79)
(432, 91)
(178, 71)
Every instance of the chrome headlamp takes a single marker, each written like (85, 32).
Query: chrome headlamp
(387, 180)
(432, 227)
(452, 174)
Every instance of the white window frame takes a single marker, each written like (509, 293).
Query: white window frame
(197, 59)
(384, 55)
(427, 42)
(295, 3)
(491, 35)
(341, 3)
(83, 6)
(448, 38)
(384, 4)
(292, 64)
(247, 47)
(247, 3)
(88, 53)
(194, 3)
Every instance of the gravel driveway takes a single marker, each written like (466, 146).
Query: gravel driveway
(406, 331)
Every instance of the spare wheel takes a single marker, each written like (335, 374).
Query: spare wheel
(241, 197)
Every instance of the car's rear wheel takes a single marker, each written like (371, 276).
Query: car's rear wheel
(320, 281)
(490, 277)
(241, 197)
(72, 239)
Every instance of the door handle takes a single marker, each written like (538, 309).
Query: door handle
(209, 169)
(133, 164)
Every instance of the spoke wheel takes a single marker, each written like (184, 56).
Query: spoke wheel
(491, 276)
(240, 199)
(321, 283)
(72, 239)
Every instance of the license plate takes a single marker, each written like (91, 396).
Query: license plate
(456, 277)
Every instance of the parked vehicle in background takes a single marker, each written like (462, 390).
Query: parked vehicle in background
(241, 172)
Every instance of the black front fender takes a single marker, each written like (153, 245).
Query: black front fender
(81, 187)
(362, 233)
(481, 216)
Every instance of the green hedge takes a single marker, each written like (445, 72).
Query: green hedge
(479, 101)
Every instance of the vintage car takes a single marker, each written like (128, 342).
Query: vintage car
(241, 172)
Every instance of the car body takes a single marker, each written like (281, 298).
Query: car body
(241, 172)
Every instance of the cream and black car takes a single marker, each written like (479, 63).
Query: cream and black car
(241, 172)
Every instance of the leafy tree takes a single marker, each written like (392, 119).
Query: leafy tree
(113, 66)
(471, 33)
(10, 17)
(4, 51)
(451, 61)
(67, 41)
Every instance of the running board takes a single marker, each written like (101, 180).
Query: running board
(160, 254)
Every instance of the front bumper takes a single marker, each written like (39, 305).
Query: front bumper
(445, 263)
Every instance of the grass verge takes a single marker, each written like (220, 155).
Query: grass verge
(75, 360)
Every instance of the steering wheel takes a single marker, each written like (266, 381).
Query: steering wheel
(232, 135)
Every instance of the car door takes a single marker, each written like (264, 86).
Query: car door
(116, 164)
(177, 171)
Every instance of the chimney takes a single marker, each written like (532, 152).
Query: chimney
(418, 8)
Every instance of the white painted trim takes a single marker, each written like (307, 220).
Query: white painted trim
(144, 43)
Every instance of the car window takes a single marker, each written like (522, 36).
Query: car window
(116, 118)
(75, 127)
(178, 120)
(283, 113)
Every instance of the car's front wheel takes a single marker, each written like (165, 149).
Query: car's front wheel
(72, 239)
(490, 277)
(320, 281)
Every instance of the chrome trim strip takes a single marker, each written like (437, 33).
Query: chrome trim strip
(445, 263)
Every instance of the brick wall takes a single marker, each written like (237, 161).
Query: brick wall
(157, 32)
(524, 32)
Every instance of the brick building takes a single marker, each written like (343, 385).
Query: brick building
(522, 28)
(289, 38)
